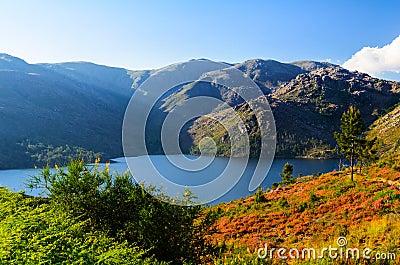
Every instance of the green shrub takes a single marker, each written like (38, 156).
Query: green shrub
(126, 211)
(34, 232)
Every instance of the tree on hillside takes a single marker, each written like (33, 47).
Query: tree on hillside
(287, 174)
(351, 141)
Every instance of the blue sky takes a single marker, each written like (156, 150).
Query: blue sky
(151, 34)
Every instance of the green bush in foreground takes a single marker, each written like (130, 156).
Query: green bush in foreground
(34, 232)
(124, 210)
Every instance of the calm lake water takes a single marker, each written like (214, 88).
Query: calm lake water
(16, 180)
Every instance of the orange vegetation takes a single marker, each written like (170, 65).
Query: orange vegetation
(314, 212)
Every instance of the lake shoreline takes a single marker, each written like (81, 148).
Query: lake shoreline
(15, 179)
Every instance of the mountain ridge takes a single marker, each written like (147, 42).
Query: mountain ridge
(82, 104)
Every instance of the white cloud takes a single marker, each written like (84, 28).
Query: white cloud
(376, 61)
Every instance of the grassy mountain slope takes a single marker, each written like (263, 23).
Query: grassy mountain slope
(314, 212)
(387, 129)
(58, 109)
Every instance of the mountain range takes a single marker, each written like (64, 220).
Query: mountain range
(49, 112)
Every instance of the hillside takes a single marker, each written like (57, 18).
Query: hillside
(314, 212)
(307, 109)
(269, 75)
(115, 80)
(51, 111)
(387, 128)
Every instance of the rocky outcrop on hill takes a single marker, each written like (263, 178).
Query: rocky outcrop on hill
(308, 108)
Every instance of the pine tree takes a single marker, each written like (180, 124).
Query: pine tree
(351, 141)
(287, 174)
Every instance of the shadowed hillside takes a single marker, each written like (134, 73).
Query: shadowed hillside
(64, 106)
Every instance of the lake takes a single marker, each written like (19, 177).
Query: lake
(15, 179)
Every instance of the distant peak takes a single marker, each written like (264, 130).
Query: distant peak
(211, 61)
(5, 57)
(9, 59)
(199, 59)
